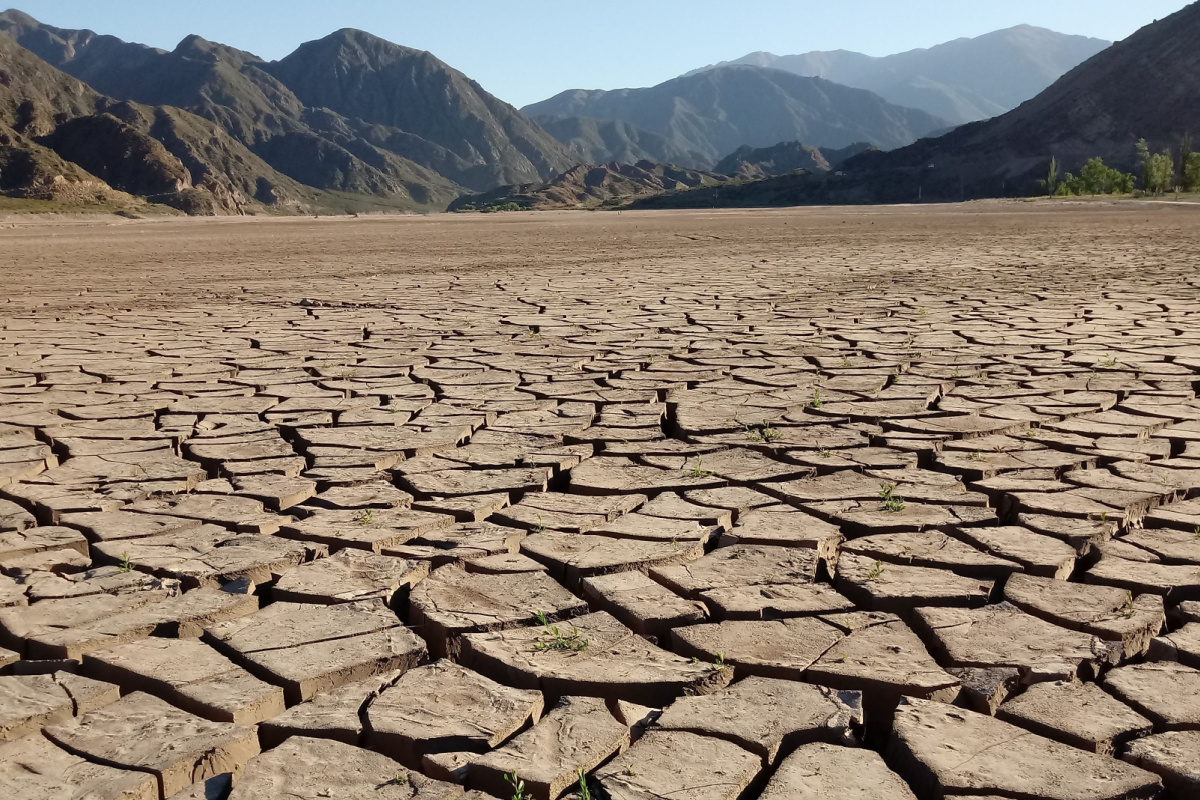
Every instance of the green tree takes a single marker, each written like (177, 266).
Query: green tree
(1124, 182)
(1096, 177)
(1070, 185)
(1185, 155)
(1162, 169)
(1191, 173)
(1143, 154)
(1052, 177)
(1158, 169)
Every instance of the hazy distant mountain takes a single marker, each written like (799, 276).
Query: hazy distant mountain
(755, 163)
(712, 113)
(961, 81)
(600, 141)
(350, 113)
(1147, 85)
(587, 186)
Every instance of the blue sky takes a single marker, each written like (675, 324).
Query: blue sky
(527, 50)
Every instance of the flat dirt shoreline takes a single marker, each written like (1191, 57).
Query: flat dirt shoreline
(172, 259)
(744, 505)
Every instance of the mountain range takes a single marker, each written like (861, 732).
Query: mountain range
(754, 163)
(352, 122)
(350, 114)
(961, 81)
(706, 116)
(586, 186)
(1145, 86)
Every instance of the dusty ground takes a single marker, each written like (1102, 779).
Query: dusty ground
(787, 504)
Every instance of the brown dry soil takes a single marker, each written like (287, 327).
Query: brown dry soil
(874, 503)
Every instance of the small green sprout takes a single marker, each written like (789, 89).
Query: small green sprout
(553, 638)
(518, 786)
(891, 501)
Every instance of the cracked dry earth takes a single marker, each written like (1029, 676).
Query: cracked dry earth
(861, 503)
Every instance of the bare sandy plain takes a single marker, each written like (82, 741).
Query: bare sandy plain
(870, 503)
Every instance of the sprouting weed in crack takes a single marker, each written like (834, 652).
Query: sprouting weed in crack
(1127, 610)
(762, 433)
(554, 638)
(891, 501)
(517, 785)
(876, 572)
(365, 517)
(817, 402)
(126, 564)
(541, 526)
(977, 456)
(584, 793)
(698, 471)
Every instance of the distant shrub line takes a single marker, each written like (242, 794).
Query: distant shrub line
(1160, 174)
(490, 209)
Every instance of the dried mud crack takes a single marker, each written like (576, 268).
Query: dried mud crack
(883, 503)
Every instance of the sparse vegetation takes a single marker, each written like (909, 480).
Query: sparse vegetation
(762, 433)
(126, 564)
(816, 401)
(876, 572)
(891, 501)
(1158, 169)
(1127, 610)
(489, 209)
(584, 793)
(365, 517)
(517, 785)
(698, 471)
(555, 638)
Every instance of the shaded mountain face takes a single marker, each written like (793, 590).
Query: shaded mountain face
(712, 113)
(1147, 86)
(460, 136)
(364, 77)
(600, 141)
(965, 80)
(585, 186)
(62, 140)
(753, 163)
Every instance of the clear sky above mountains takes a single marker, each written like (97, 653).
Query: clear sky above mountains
(529, 50)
